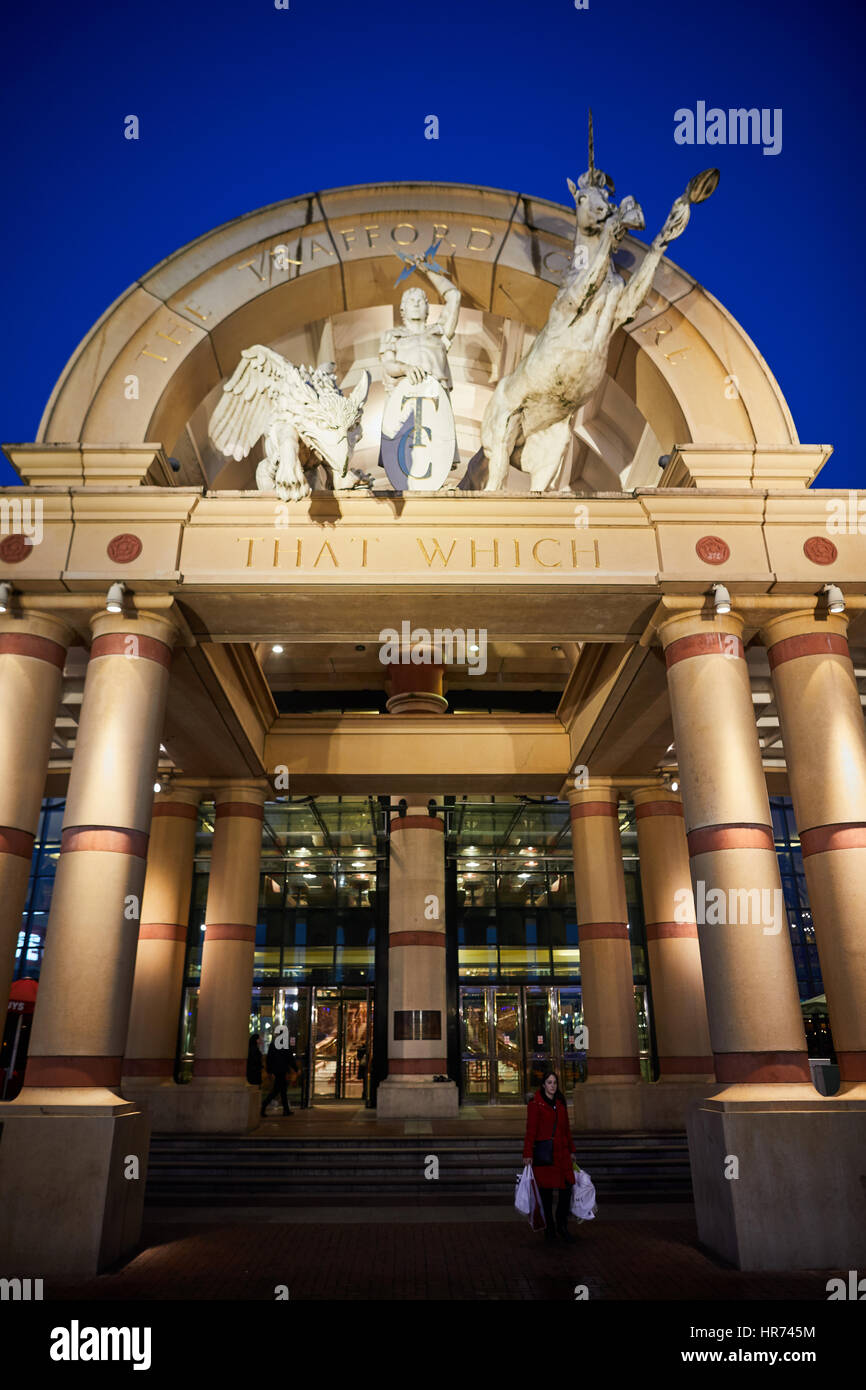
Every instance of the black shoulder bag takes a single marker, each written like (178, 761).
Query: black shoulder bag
(542, 1149)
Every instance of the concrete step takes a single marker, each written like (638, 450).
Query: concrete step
(227, 1170)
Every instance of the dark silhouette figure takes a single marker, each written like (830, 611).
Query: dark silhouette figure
(281, 1061)
(254, 1061)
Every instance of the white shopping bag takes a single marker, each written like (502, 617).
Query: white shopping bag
(583, 1204)
(527, 1199)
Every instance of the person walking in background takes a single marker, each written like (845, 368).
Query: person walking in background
(548, 1146)
(281, 1061)
(254, 1061)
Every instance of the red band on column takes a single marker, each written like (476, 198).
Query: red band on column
(613, 1066)
(17, 842)
(658, 808)
(219, 1066)
(852, 1066)
(601, 931)
(243, 810)
(663, 931)
(736, 836)
(162, 931)
(769, 1067)
(39, 648)
(682, 1066)
(413, 1066)
(182, 809)
(704, 644)
(416, 938)
(850, 835)
(229, 931)
(417, 823)
(104, 839)
(148, 1066)
(587, 809)
(132, 645)
(73, 1071)
(808, 644)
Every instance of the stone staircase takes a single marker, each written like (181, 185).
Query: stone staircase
(232, 1171)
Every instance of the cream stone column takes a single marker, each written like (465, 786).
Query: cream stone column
(148, 1063)
(679, 1007)
(417, 1000)
(608, 1099)
(825, 751)
(766, 1116)
(70, 1143)
(753, 1005)
(32, 655)
(219, 1097)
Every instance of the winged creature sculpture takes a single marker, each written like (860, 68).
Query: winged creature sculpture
(300, 413)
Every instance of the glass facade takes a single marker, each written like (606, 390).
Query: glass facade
(513, 958)
(319, 885)
(43, 866)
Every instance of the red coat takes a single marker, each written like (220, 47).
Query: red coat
(539, 1125)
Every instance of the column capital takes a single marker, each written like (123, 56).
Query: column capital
(658, 800)
(159, 626)
(696, 622)
(253, 793)
(596, 792)
(28, 622)
(803, 622)
(173, 796)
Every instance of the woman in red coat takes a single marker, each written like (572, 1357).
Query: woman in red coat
(547, 1119)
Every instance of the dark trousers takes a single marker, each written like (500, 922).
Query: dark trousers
(279, 1087)
(562, 1206)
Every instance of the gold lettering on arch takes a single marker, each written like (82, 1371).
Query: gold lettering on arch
(546, 564)
(334, 559)
(479, 231)
(404, 241)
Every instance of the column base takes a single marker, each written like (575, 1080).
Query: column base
(798, 1201)
(157, 1097)
(411, 1099)
(609, 1104)
(66, 1206)
(204, 1106)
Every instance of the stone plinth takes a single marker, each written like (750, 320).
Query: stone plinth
(70, 1208)
(212, 1105)
(799, 1201)
(415, 1100)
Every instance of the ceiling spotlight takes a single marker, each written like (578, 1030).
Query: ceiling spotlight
(835, 598)
(277, 649)
(721, 599)
(114, 602)
(5, 596)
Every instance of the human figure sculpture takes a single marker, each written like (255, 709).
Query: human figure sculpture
(419, 348)
(528, 418)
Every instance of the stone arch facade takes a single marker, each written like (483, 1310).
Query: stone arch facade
(314, 277)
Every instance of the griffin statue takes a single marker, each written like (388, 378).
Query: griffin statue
(300, 413)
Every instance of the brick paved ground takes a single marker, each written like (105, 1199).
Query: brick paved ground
(442, 1259)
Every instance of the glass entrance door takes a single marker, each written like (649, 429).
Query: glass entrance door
(507, 1043)
(341, 1044)
(509, 1037)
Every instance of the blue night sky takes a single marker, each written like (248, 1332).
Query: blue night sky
(242, 105)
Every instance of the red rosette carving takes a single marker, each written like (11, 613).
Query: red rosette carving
(713, 550)
(123, 549)
(820, 550)
(14, 549)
